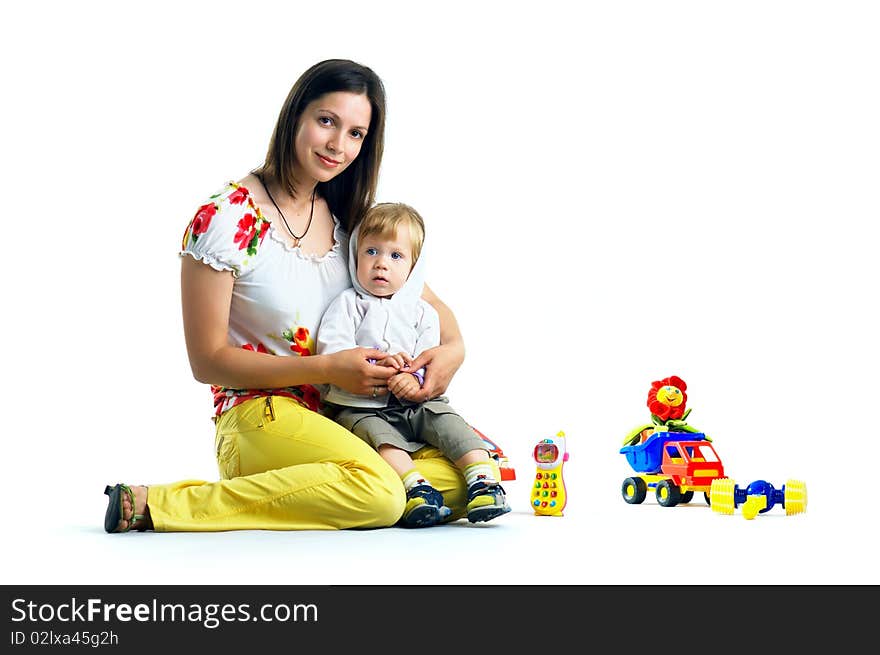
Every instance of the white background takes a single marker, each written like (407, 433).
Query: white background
(614, 194)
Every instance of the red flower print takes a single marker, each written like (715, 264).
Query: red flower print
(260, 348)
(311, 397)
(300, 343)
(302, 351)
(246, 231)
(238, 196)
(251, 230)
(202, 219)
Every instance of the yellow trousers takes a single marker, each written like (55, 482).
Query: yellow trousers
(285, 467)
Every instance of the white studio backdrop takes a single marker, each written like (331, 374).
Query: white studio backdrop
(614, 193)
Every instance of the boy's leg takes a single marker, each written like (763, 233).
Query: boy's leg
(441, 426)
(285, 468)
(447, 478)
(486, 498)
(424, 504)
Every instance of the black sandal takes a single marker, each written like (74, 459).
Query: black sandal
(114, 510)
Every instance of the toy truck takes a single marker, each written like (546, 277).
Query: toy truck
(674, 465)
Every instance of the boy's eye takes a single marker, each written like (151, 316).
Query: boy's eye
(396, 255)
(371, 251)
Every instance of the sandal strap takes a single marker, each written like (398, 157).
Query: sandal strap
(134, 516)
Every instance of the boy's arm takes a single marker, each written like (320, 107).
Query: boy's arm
(337, 329)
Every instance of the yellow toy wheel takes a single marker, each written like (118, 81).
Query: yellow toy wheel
(721, 495)
(795, 497)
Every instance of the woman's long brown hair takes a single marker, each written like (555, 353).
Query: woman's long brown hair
(353, 191)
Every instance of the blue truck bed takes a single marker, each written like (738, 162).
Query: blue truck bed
(648, 456)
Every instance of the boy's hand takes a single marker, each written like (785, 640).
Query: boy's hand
(400, 361)
(404, 385)
(388, 361)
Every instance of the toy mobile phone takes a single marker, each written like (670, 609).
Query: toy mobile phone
(548, 490)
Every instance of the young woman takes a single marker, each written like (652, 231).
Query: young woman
(261, 260)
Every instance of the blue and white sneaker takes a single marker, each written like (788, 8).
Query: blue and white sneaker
(424, 507)
(486, 501)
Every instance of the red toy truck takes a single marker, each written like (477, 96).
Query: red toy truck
(674, 465)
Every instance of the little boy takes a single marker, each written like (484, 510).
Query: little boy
(384, 310)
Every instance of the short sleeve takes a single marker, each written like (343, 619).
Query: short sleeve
(226, 231)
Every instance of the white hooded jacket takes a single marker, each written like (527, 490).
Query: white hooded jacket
(402, 323)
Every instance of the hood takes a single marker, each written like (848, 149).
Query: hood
(411, 290)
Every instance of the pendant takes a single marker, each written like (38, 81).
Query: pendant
(296, 241)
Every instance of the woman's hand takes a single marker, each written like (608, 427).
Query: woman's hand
(441, 363)
(351, 370)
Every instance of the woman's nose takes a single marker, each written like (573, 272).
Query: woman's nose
(335, 143)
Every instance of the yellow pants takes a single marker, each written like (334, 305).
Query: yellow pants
(285, 467)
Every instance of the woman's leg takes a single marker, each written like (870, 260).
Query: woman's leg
(284, 468)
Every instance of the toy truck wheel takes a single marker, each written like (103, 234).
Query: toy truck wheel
(795, 497)
(687, 497)
(722, 495)
(668, 494)
(707, 498)
(634, 490)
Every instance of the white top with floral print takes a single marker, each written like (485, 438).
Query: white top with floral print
(279, 293)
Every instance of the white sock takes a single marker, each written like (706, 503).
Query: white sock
(478, 472)
(413, 478)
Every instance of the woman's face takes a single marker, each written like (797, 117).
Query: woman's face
(330, 134)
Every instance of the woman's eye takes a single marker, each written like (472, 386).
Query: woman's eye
(357, 134)
(325, 120)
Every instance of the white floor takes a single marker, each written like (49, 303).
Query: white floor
(600, 540)
(689, 190)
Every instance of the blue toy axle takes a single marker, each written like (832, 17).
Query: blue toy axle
(760, 488)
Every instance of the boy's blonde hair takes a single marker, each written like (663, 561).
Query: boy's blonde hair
(384, 218)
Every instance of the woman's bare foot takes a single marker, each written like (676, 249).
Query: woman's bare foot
(140, 507)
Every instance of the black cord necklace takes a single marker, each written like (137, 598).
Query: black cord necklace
(296, 239)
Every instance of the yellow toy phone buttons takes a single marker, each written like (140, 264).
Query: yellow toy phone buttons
(548, 491)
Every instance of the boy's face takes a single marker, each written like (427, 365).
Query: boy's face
(383, 265)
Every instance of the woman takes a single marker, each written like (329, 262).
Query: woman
(261, 260)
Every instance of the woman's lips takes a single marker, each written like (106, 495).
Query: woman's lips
(329, 163)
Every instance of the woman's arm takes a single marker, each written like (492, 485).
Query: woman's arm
(440, 362)
(206, 295)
